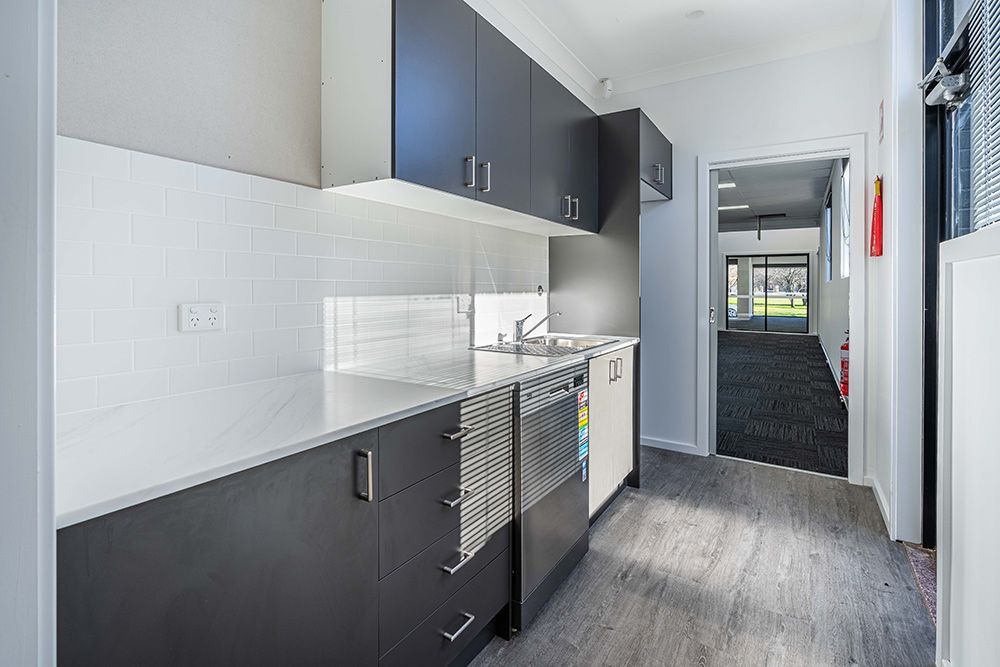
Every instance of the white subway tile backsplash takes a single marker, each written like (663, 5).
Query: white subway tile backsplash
(93, 292)
(195, 205)
(195, 263)
(74, 189)
(84, 224)
(74, 258)
(91, 360)
(114, 195)
(164, 171)
(166, 352)
(140, 234)
(129, 324)
(162, 291)
(215, 236)
(223, 182)
(131, 387)
(252, 213)
(164, 232)
(127, 260)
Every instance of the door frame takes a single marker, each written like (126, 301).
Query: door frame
(809, 287)
(848, 146)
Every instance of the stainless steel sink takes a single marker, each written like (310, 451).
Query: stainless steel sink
(546, 346)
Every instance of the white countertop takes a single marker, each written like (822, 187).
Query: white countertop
(112, 458)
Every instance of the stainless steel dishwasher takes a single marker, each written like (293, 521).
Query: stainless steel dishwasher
(551, 516)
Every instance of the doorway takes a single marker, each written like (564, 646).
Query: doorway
(768, 293)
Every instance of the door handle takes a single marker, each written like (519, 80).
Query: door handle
(369, 493)
(576, 210)
(465, 557)
(611, 371)
(452, 636)
(459, 434)
(711, 315)
(463, 493)
(470, 160)
(488, 166)
(568, 199)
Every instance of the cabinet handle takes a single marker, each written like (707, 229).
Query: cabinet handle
(658, 178)
(576, 211)
(569, 206)
(489, 177)
(663, 174)
(463, 493)
(611, 371)
(618, 368)
(466, 556)
(459, 434)
(561, 390)
(452, 636)
(471, 160)
(369, 493)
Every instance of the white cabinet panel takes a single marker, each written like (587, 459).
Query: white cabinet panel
(611, 423)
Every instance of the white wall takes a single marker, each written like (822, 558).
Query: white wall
(833, 302)
(140, 234)
(27, 521)
(791, 100)
(775, 241)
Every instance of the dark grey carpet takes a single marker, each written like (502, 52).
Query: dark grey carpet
(778, 403)
(774, 323)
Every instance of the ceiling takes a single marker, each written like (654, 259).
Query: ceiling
(643, 43)
(796, 189)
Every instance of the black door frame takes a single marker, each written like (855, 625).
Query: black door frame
(766, 256)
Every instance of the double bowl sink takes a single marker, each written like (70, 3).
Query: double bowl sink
(550, 345)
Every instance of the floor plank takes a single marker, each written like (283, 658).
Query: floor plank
(723, 562)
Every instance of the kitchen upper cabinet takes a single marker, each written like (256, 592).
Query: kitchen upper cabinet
(503, 120)
(655, 158)
(563, 154)
(435, 95)
(612, 404)
(274, 565)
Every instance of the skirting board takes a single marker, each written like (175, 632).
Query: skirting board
(882, 502)
(660, 443)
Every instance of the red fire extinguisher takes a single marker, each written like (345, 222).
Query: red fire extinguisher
(845, 356)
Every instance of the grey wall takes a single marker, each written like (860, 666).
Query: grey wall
(27, 530)
(227, 83)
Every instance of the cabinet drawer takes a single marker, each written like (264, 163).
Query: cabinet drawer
(414, 449)
(417, 588)
(463, 616)
(414, 519)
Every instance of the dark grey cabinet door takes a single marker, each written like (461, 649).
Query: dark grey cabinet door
(655, 157)
(503, 120)
(435, 94)
(583, 166)
(276, 565)
(551, 118)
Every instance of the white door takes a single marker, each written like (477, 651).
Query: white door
(969, 454)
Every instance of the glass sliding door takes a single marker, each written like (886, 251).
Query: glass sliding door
(768, 293)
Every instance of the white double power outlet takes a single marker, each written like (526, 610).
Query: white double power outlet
(201, 317)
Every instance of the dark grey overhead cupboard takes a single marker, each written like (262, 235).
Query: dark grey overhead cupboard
(390, 547)
(427, 105)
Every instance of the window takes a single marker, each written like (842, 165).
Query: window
(984, 94)
(845, 221)
(828, 239)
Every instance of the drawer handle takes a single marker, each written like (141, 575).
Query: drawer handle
(466, 557)
(459, 434)
(368, 494)
(452, 636)
(463, 493)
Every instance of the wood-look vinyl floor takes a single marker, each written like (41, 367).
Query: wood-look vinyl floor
(723, 562)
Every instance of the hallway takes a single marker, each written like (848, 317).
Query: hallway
(718, 562)
(778, 403)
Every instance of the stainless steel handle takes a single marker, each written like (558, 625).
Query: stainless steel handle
(452, 636)
(561, 390)
(619, 365)
(663, 174)
(466, 556)
(369, 493)
(569, 206)
(459, 434)
(471, 160)
(656, 175)
(660, 173)
(463, 493)
(611, 371)
(576, 211)
(489, 177)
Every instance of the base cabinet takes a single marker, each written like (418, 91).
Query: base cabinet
(612, 425)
